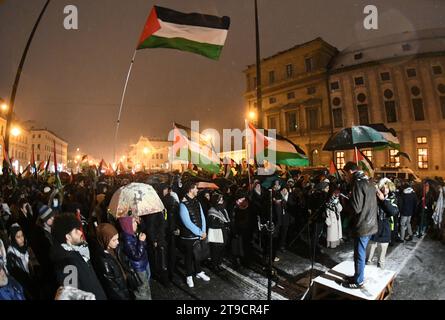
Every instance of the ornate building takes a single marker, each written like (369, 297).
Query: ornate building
(397, 80)
(148, 154)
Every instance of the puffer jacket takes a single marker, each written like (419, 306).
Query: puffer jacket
(364, 205)
(387, 209)
(136, 252)
(111, 276)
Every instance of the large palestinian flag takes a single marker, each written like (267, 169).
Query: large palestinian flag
(389, 134)
(195, 151)
(286, 152)
(194, 32)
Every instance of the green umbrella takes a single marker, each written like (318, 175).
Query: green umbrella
(355, 137)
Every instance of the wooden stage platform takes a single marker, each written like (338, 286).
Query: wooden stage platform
(378, 283)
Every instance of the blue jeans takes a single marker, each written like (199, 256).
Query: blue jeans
(360, 244)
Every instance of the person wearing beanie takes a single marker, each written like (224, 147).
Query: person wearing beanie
(107, 265)
(21, 262)
(71, 256)
(134, 250)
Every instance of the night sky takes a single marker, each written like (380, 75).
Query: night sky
(73, 79)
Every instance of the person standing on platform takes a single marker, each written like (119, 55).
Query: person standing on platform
(364, 221)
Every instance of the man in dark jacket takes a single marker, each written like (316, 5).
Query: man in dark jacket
(71, 257)
(408, 206)
(364, 220)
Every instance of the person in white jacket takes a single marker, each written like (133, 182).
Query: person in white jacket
(333, 221)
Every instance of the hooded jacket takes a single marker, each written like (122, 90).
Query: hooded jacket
(387, 209)
(364, 205)
(408, 202)
(133, 248)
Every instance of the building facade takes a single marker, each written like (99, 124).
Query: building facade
(397, 80)
(43, 142)
(148, 154)
(19, 149)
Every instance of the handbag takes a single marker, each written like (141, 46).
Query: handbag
(215, 236)
(201, 250)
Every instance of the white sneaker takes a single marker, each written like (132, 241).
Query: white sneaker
(203, 276)
(190, 282)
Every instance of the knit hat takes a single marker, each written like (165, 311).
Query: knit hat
(127, 225)
(104, 233)
(64, 224)
(45, 213)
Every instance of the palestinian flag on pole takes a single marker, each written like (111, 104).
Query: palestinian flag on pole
(363, 161)
(198, 153)
(193, 32)
(388, 133)
(286, 152)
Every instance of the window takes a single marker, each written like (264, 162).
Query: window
(385, 76)
(38, 157)
(359, 81)
(388, 94)
(394, 160)
(440, 88)
(338, 117)
(157, 156)
(415, 91)
(361, 97)
(311, 90)
(271, 77)
(406, 47)
(437, 70)
(418, 109)
(272, 100)
(309, 64)
(39, 136)
(336, 101)
(368, 154)
(291, 121)
(312, 117)
(254, 83)
(335, 85)
(390, 108)
(38, 147)
(422, 140)
(363, 116)
(289, 71)
(422, 158)
(153, 156)
(272, 123)
(340, 159)
(33, 136)
(411, 72)
(290, 95)
(442, 106)
(358, 56)
(161, 156)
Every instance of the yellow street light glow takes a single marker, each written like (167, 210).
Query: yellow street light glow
(15, 132)
(146, 150)
(4, 106)
(252, 115)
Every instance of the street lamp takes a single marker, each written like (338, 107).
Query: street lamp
(252, 115)
(146, 150)
(4, 107)
(15, 132)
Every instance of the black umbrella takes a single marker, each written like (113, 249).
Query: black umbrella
(355, 137)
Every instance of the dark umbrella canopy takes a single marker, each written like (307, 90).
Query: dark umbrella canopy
(355, 137)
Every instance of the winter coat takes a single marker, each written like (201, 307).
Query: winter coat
(219, 220)
(408, 202)
(387, 209)
(281, 214)
(12, 291)
(2, 253)
(86, 277)
(333, 220)
(259, 205)
(364, 205)
(111, 276)
(135, 250)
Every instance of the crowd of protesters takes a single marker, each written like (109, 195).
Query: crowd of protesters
(65, 242)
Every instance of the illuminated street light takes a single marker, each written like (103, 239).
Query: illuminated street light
(15, 132)
(146, 150)
(4, 106)
(252, 115)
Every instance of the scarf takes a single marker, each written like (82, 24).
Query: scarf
(82, 249)
(24, 256)
(221, 215)
(437, 215)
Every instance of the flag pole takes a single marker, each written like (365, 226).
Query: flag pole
(258, 70)
(122, 103)
(356, 155)
(17, 77)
